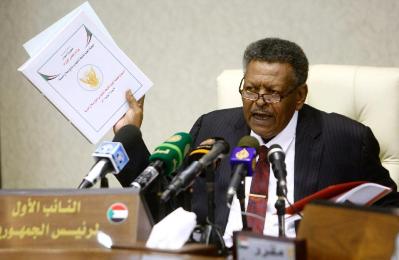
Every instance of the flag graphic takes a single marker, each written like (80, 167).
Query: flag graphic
(117, 213)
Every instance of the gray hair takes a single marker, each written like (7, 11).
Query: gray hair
(281, 51)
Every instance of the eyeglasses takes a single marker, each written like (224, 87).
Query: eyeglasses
(268, 98)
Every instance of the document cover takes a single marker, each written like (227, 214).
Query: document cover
(83, 73)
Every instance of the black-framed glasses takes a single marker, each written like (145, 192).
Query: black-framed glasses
(268, 98)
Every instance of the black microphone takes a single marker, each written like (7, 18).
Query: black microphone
(166, 159)
(111, 157)
(276, 157)
(219, 148)
(242, 160)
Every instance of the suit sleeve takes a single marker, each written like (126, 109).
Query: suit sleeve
(138, 161)
(195, 130)
(374, 170)
(199, 198)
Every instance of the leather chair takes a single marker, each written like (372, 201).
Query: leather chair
(369, 95)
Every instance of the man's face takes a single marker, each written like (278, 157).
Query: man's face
(267, 120)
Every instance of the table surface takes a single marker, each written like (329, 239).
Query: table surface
(97, 253)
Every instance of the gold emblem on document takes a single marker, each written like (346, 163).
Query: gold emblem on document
(90, 77)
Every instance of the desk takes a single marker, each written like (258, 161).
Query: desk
(96, 254)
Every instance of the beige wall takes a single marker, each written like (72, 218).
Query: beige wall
(182, 46)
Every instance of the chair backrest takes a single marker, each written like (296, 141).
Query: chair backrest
(369, 95)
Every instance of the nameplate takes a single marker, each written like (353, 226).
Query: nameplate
(72, 218)
(249, 245)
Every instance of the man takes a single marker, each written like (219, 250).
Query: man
(321, 149)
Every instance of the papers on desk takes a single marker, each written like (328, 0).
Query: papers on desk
(83, 73)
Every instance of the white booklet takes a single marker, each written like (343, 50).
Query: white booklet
(34, 45)
(358, 193)
(83, 73)
(364, 194)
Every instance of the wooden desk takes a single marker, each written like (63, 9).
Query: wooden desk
(96, 254)
(348, 232)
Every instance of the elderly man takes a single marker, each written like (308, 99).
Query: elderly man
(321, 149)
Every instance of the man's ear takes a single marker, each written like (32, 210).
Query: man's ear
(301, 95)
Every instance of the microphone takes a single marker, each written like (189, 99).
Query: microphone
(203, 148)
(219, 148)
(111, 157)
(196, 154)
(166, 159)
(276, 157)
(242, 160)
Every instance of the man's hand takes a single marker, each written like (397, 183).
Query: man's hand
(134, 116)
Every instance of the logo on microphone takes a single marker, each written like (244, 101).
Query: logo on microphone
(242, 154)
(117, 213)
(174, 139)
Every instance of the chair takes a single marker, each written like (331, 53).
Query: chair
(369, 95)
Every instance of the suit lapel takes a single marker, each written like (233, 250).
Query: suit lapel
(308, 152)
(241, 127)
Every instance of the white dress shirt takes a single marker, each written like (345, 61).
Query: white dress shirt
(286, 139)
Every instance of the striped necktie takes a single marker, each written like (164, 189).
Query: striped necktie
(257, 201)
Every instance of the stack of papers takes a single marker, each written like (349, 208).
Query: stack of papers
(78, 67)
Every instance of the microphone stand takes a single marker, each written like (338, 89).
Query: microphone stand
(241, 199)
(211, 233)
(210, 190)
(164, 208)
(104, 182)
(280, 207)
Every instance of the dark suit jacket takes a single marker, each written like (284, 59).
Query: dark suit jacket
(329, 149)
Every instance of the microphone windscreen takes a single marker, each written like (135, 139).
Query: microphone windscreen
(224, 145)
(132, 141)
(173, 151)
(203, 148)
(245, 153)
(275, 152)
(248, 141)
(197, 153)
